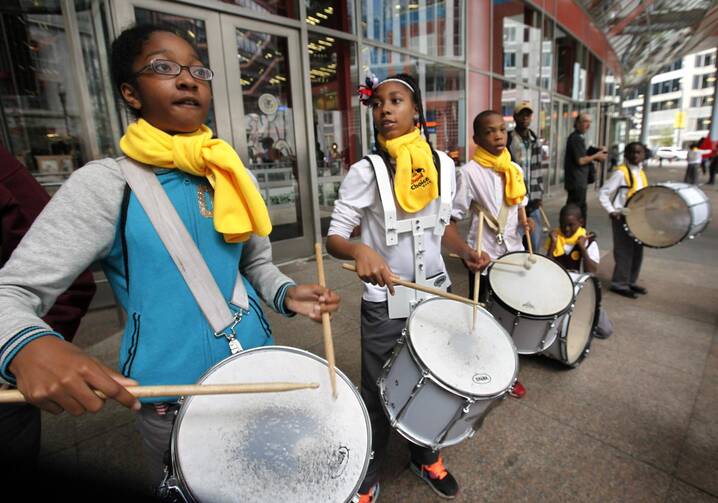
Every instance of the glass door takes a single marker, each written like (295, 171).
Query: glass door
(266, 106)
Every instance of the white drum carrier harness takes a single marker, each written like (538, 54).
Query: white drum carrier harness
(403, 301)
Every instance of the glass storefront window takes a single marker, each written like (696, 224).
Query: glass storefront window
(331, 14)
(442, 88)
(42, 123)
(431, 27)
(547, 52)
(333, 76)
(285, 8)
(517, 42)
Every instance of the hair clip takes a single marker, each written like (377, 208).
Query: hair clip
(367, 89)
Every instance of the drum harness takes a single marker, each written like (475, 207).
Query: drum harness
(405, 299)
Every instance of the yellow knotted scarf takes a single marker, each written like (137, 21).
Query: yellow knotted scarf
(561, 241)
(416, 177)
(514, 188)
(632, 189)
(239, 210)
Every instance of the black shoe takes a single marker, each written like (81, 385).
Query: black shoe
(638, 289)
(626, 292)
(438, 478)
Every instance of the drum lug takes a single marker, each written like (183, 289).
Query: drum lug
(169, 489)
(460, 413)
(417, 388)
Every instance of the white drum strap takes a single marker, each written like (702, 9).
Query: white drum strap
(185, 254)
(393, 226)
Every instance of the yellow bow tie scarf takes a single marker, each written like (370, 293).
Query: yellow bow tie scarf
(515, 188)
(239, 210)
(632, 189)
(416, 177)
(561, 241)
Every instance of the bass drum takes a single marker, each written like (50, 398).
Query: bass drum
(665, 214)
(576, 327)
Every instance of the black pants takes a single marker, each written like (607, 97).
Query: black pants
(577, 195)
(483, 287)
(712, 170)
(691, 174)
(627, 254)
(378, 337)
(19, 438)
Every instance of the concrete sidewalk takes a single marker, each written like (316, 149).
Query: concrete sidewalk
(635, 422)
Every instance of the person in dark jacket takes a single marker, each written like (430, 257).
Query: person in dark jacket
(577, 163)
(22, 199)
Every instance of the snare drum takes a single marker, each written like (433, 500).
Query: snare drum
(665, 214)
(271, 446)
(442, 378)
(528, 302)
(576, 327)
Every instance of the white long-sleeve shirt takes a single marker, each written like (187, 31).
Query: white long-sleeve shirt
(486, 187)
(614, 192)
(359, 203)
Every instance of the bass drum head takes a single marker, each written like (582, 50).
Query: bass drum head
(297, 445)
(582, 320)
(482, 363)
(542, 291)
(658, 216)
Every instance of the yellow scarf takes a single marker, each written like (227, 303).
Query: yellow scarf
(239, 210)
(514, 188)
(562, 241)
(416, 177)
(623, 168)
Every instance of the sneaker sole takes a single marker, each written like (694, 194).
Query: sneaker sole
(417, 472)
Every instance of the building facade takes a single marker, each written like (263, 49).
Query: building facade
(681, 101)
(286, 72)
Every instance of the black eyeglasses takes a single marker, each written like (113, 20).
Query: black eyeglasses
(166, 67)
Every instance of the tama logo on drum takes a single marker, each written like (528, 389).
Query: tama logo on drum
(481, 378)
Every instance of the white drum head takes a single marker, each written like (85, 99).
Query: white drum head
(482, 364)
(298, 445)
(543, 290)
(581, 319)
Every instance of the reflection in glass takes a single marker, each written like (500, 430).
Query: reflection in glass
(192, 29)
(279, 7)
(269, 126)
(442, 88)
(336, 115)
(431, 27)
(520, 42)
(41, 119)
(338, 15)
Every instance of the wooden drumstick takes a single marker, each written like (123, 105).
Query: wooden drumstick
(326, 323)
(477, 275)
(525, 223)
(499, 262)
(547, 224)
(421, 288)
(14, 396)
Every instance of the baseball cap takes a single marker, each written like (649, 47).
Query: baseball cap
(521, 106)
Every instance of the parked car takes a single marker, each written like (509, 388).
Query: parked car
(670, 154)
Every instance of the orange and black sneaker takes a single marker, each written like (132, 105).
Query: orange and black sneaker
(517, 390)
(438, 478)
(369, 497)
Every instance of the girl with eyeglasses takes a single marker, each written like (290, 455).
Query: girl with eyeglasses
(95, 217)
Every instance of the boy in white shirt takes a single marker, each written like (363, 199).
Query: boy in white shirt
(628, 254)
(492, 183)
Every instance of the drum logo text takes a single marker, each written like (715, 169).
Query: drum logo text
(481, 378)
